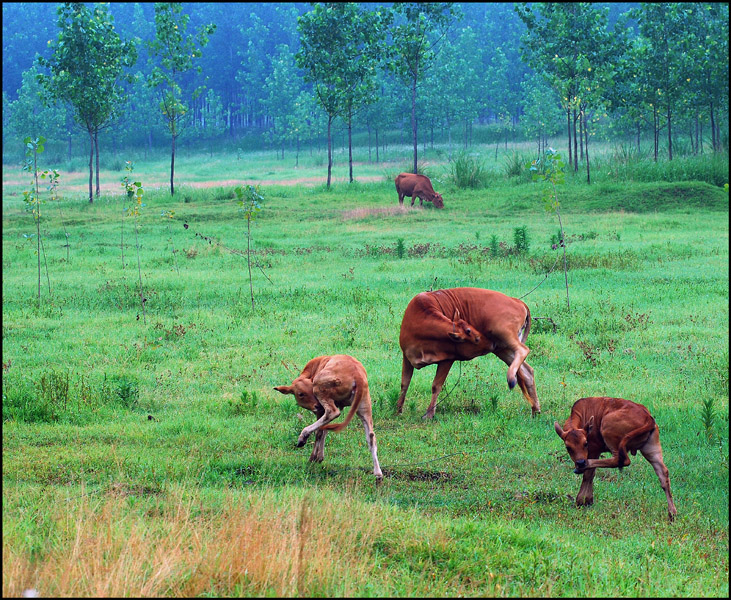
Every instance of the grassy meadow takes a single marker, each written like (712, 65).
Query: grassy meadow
(147, 454)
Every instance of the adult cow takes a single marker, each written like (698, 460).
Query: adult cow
(325, 385)
(415, 185)
(603, 424)
(498, 324)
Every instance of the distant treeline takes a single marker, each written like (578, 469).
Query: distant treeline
(529, 70)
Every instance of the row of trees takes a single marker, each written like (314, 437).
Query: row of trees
(289, 72)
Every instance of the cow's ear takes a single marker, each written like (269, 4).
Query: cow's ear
(589, 425)
(284, 389)
(559, 430)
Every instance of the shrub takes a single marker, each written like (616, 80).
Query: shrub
(467, 171)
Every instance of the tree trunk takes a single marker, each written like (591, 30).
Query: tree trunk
(172, 167)
(350, 144)
(670, 136)
(91, 168)
(576, 150)
(582, 125)
(329, 150)
(656, 133)
(568, 127)
(586, 149)
(377, 159)
(413, 121)
(713, 129)
(96, 149)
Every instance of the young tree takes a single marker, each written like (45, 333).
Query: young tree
(418, 29)
(340, 48)
(86, 71)
(176, 51)
(570, 44)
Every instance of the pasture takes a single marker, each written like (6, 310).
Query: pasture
(149, 455)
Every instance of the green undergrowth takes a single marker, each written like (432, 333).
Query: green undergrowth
(126, 418)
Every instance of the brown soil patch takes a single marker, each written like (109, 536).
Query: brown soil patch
(362, 213)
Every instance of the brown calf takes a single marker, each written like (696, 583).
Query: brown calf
(444, 326)
(325, 385)
(613, 425)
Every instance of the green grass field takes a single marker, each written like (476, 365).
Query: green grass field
(148, 454)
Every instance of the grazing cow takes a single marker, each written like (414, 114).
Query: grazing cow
(413, 186)
(488, 322)
(613, 425)
(325, 385)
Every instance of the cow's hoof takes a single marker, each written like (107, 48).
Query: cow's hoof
(512, 383)
(300, 443)
(379, 480)
(535, 412)
(317, 459)
(428, 416)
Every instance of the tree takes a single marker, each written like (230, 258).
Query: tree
(570, 45)
(176, 51)
(415, 37)
(663, 27)
(340, 49)
(86, 71)
(29, 115)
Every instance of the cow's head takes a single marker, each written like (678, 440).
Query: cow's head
(462, 331)
(301, 389)
(576, 444)
(438, 200)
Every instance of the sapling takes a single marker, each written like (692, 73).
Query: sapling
(550, 169)
(32, 199)
(170, 214)
(248, 199)
(134, 193)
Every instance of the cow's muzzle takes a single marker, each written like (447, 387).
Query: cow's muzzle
(580, 466)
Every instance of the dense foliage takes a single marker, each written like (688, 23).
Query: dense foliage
(613, 70)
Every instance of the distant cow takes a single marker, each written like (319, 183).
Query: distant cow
(613, 425)
(413, 185)
(443, 326)
(325, 385)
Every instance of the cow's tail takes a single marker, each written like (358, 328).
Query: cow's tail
(647, 427)
(525, 329)
(356, 401)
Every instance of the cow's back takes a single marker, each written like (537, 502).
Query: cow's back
(408, 183)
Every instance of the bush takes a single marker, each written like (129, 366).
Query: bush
(467, 171)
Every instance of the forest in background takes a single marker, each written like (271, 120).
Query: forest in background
(653, 74)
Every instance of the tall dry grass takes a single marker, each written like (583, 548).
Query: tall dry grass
(252, 545)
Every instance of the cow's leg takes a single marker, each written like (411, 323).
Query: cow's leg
(436, 386)
(514, 358)
(652, 451)
(586, 491)
(318, 452)
(527, 384)
(365, 413)
(606, 463)
(412, 200)
(400, 199)
(407, 370)
(330, 412)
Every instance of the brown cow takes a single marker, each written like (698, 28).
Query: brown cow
(613, 425)
(325, 385)
(496, 323)
(413, 186)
